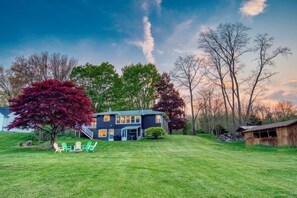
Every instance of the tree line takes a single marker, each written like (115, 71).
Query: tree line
(222, 88)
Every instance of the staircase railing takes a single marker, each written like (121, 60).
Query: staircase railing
(87, 131)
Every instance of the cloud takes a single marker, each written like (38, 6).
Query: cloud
(147, 44)
(183, 39)
(291, 83)
(146, 5)
(158, 4)
(253, 7)
(284, 91)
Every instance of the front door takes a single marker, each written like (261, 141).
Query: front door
(111, 135)
(124, 135)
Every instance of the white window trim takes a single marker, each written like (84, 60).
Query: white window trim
(104, 119)
(130, 120)
(160, 119)
(102, 130)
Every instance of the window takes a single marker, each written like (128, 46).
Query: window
(132, 119)
(102, 133)
(256, 135)
(272, 134)
(118, 120)
(111, 132)
(264, 134)
(122, 119)
(128, 119)
(93, 123)
(137, 118)
(106, 118)
(158, 118)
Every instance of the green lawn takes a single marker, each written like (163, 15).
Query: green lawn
(176, 166)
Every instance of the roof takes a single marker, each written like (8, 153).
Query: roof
(131, 127)
(5, 111)
(244, 128)
(272, 126)
(132, 112)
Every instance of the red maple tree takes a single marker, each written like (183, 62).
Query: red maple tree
(52, 106)
(171, 103)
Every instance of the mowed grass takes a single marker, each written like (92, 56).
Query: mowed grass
(175, 166)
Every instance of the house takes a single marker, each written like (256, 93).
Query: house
(124, 125)
(6, 117)
(277, 134)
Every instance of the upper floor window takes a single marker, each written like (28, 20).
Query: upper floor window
(128, 119)
(137, 119)
(158, 118)
(93, 123)
(132, 119)
(106, 118)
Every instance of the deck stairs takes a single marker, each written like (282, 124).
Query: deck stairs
(85, 130)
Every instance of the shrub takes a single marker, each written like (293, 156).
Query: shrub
(187, 128)
(200, 130)
(155, 132)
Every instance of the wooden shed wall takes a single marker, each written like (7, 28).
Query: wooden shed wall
(250, 140)
(285, 136)
(292, 135)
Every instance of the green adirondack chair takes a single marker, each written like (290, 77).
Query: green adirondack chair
(65, 147)
(92, 147)
(86, 147)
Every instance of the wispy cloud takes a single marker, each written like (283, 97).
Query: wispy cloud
(183, 39)
(146, 5)
(284, 91)
(253, 7)
(147, 44)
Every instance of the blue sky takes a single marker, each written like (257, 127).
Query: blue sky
(131, 31)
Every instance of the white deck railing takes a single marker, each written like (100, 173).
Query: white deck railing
(87, 131)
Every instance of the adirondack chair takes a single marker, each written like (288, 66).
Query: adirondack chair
(65, 147)
(58, 149)
(77, 146)
(86, 147)
(92, 147)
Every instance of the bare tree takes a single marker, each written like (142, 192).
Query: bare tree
(35, 68)
(39, 67)
(225, 46)
(188, 72)
(262, 74)
(7, 89)
(285, 110)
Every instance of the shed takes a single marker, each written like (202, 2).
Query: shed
(277, 134)
(244, 128)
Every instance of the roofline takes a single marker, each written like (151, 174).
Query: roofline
(133, 112)
(271, 126)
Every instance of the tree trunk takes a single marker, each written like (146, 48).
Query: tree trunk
(192, 111)
(53, 139)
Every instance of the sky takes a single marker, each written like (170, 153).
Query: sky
(123, 32)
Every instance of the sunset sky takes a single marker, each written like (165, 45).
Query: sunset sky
(131, 31)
